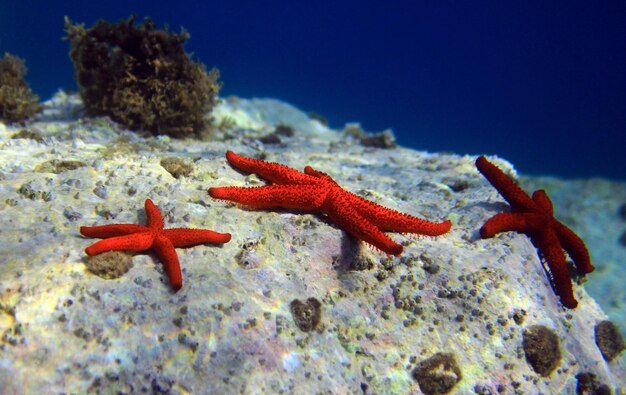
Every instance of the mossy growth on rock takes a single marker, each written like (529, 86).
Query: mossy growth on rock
(28, 134)
(17, 101)
(110, 265)
(588, 384)
(177, 167)
(306, 314)
(609, 340)
(438, 374)
(142, 77)
(58, 166)
(542, 349)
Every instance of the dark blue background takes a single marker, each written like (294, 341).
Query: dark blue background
(540, 83)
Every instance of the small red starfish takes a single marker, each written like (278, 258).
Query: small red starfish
(316, 191)
(131, 237)
(535, 218)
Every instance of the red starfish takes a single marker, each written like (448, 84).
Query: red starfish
(316, 191)
(534, 217)
(131, 237)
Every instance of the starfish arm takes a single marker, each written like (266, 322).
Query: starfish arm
(112, 230)
(343, 215)
(517, 198)
(558, 272)
(273, 172)
(302, 197)
(167, 254)
(527, 223)
(132, 242)
(570, 241)
(184, 237)
(575, 247)
(155, 220)
(543, 202)
(390, 220)
(319, 174)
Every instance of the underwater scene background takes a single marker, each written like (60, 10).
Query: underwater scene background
(446, 214)
(542, 84)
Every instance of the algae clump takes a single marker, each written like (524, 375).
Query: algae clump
(17, 101)
(142, 77)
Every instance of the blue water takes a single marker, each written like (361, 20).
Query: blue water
(539, 83)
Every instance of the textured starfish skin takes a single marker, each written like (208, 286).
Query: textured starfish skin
(131, 237)
(318, 192)
(535, 218)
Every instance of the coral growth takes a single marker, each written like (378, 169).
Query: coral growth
(142, 77)
(17, 101)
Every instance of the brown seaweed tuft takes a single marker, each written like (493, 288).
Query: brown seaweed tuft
(17, 101)
(142, 77)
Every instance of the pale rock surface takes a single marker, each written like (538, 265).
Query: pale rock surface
(230, 329)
